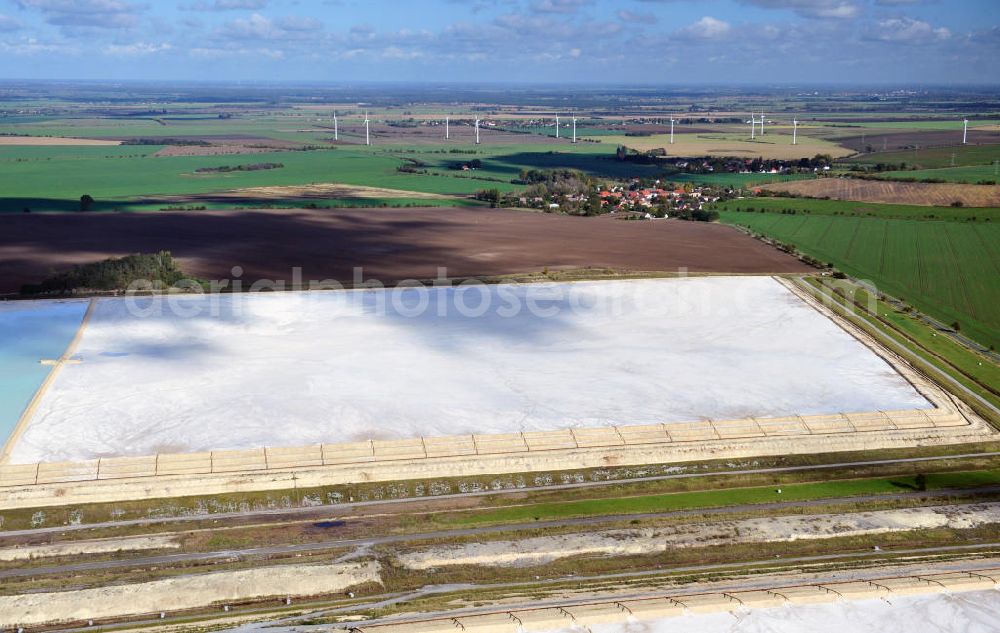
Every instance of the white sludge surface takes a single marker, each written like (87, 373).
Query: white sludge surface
(965, 612)
(285, 369)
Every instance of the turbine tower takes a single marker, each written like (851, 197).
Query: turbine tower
(795, 131)
(557, 126)
(753, 126)
(477, 131)
(671, 130)
(965, 131)
(574, 129)
(336, 132)
(762, 122)
(368, 138)
(447, 128)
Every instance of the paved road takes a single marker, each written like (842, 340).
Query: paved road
(325, 512)
(272, 550)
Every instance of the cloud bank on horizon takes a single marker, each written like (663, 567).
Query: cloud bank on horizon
(599, 41)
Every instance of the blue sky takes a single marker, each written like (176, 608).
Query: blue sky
(627, 41)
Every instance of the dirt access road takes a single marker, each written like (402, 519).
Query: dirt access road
(390, 244)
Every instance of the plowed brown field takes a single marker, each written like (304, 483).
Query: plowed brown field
(390, 244)
(920, 193)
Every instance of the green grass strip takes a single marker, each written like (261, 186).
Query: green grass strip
(721, 498)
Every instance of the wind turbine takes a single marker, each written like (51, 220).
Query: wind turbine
(557, 126)
(477, 131)
(574, 129)
(368, 138)
(336, 132)
(447, 128)
(795, 131)
(753, 126)
(671, 129)
(762, 122)
(965, 131)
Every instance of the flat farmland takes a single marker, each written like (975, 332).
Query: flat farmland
(775, 144)
(120, 177)
(934, 157)
(950, 270)
(969, 174)
(391, 244)
(817, 206)
(917, 193)
(115, 179)
(31, 141)
(877, 138)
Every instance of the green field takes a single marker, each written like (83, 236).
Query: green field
(719, 498)
(815, 206)
(982, 174)
(948, 269)
(54, 178)
(933, 157)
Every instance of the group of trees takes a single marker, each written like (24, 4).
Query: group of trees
(159, 269)
(229, 168)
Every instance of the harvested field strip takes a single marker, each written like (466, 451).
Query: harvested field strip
(916, 193)
(945, 269)
(717, 498)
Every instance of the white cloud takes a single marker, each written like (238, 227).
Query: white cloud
(225, 5)
(558, 6)
(259, 27)
(706, 28)
(637, 18)
(908, 30)
(101, 14)
(837, 9)
(135, 49)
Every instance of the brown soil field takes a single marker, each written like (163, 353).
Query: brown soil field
(652, 128)
(461, 134)
(777, 144)
(390, 244)
(321, 191)
(52, 140)
(225, 149)
(906, 139)
(919, 193)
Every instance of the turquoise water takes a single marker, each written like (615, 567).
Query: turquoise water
(29, 332)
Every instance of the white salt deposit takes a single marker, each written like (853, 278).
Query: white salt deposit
(284, 369)
(966, 612)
